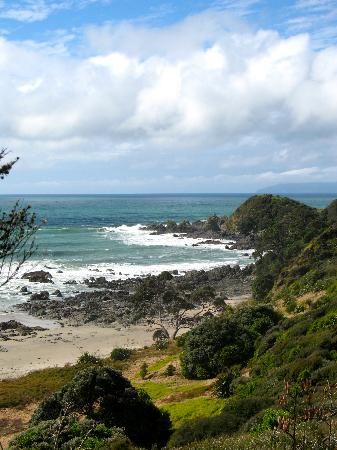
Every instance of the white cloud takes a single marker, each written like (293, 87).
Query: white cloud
(39, 10)
(198, 91)
(31, 10)
(239, 7)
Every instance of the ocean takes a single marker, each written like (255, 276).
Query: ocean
(101, 235)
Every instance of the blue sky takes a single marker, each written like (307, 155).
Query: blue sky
(175, 96)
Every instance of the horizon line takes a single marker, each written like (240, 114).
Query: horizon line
(167, 193)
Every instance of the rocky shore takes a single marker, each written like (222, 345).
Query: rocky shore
(213, 230)
(106, 303)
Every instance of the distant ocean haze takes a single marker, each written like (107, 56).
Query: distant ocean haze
(102, 235)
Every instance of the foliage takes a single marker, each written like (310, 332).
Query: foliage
(120, 354)
(143, 370)
(162, 344)
(105, 396)
(170, 370)
(17, 228)
(314, 270)
(69, 434)
(281, 228)
(222, 342)
(214, 345)
(87, 359)
(223, 386)
(232, 416)
(331, 212)
(161, 304)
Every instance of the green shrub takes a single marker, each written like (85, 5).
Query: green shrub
(327, 322)
(87, 359)
(105, 396)
(213, 346)
(120, 354)
(162, 344)
(222, 342)
(69, 434)
(223, 386)
(180, 340)
(199, 429)
(266, 420)
(170, 370)
(144, 369)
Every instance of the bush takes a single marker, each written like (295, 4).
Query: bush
(199, 429)
(265, 420)
(69, 434)
(180, 340)
(223, 387)
(170, 370)
(214, 345)
(244, 408)
(222, 342)
(162, 344)
(87, 359)
(120, 354)
(144, 370)
(105, 396)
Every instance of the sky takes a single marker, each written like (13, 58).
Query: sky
(145, 96)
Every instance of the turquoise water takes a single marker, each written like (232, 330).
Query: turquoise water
(88, 235)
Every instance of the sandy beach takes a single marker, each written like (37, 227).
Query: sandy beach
(60, 346)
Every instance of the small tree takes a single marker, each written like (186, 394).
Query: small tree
(17, 228)
(169, 309)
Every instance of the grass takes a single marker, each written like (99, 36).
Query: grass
(183, 399)
(35, 386)
(158, 391)
(158, 365)
(193, 408)
(155, 390)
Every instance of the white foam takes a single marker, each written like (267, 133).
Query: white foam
(10, 293)
(137, 235)
(132, 236)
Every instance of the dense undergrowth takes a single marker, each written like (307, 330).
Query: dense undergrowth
(274, 359)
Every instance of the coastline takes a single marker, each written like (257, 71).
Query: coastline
(63, 345)
(94, 315)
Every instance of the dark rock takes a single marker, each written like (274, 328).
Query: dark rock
(43, 295)
(13, 328)
(39, 276)
(108, 302)
(57, 293)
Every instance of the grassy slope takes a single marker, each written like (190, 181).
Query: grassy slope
(184, 399)
(303, 345)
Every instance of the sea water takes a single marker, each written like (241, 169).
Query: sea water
(101, 235)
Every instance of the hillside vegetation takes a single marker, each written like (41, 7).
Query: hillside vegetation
(263, 376)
